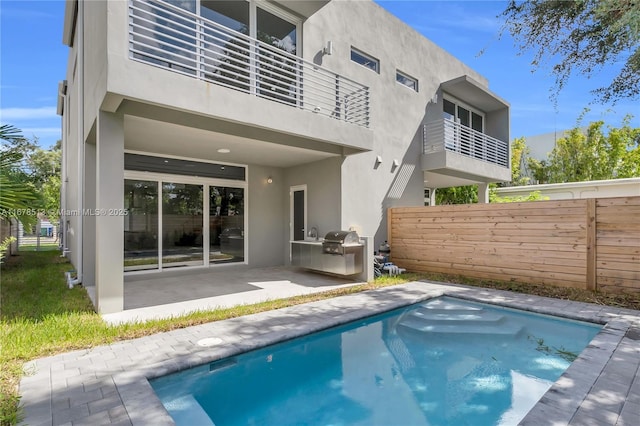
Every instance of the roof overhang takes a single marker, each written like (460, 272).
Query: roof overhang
(70, 19)
(62, 91)
(304, 8)
(470, 91)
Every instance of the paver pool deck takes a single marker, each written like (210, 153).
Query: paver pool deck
(109, 384)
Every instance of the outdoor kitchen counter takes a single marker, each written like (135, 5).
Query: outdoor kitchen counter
(310, 255)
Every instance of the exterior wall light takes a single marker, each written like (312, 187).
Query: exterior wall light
(328, 49)
(269, 180)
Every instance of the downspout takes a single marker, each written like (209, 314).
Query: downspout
(81, 141)
(62, 217)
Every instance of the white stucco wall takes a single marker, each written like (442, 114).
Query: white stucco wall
(575, 190)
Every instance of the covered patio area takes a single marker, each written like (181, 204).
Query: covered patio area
(176, 292)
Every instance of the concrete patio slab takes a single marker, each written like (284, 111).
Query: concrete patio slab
(109, 384)
(177, 292)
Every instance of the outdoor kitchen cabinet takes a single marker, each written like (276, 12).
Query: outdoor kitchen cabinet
(319, 256)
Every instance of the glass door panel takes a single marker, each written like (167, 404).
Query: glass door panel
(448, 109)
(140, 225)
(277, 76)
(182, 224)
(226, 224)
(479, 145)
(226, 55)
(463, 116)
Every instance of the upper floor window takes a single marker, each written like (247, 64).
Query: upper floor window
(365, 60)
(272, 26)
(406, 80)
(463, 114)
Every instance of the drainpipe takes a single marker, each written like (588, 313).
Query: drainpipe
(81, 141)
(62, 217)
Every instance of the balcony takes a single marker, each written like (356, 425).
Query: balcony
(451, 136)
(452, 149)
(172, 38)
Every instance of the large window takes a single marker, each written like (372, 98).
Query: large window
(231, 57)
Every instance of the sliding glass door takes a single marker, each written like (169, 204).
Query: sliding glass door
(175, 222)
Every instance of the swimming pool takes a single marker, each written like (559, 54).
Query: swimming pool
(443, 361)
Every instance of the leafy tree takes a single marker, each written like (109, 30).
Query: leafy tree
(467, 194)
(581, 36)
(45, 169)
(594, 155)
(519, 154)
(17, 194)
(532, 196)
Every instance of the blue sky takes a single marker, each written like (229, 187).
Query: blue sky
(33, 60)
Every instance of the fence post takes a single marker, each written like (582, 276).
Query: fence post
(389, 233)
(591, 244)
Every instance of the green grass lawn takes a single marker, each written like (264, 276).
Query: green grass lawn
(40, 316)
(43, 247)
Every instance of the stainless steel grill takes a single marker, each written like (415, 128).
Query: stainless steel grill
(341, 242)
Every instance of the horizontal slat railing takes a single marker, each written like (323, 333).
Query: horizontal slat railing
(448, 135)
(167, 36)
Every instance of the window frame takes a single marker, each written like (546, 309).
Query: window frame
(366, 56)
(458, 103)
(404, 75)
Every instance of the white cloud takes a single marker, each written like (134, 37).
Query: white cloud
(42, 131)
(12, 114)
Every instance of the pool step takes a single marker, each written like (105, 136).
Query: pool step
(441, 306)
(439, 317)
(444, 317)
(481, 329)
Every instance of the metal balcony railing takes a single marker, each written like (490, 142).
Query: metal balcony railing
(175, 39)
(448, 135)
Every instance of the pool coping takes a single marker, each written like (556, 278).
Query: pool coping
(110, 384)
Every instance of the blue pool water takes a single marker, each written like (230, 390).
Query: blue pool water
(441, 362)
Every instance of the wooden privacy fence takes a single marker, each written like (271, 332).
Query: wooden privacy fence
(588, 243)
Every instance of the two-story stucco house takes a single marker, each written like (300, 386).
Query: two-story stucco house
(198, 133)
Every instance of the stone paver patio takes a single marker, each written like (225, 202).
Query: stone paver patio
(109, 384)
